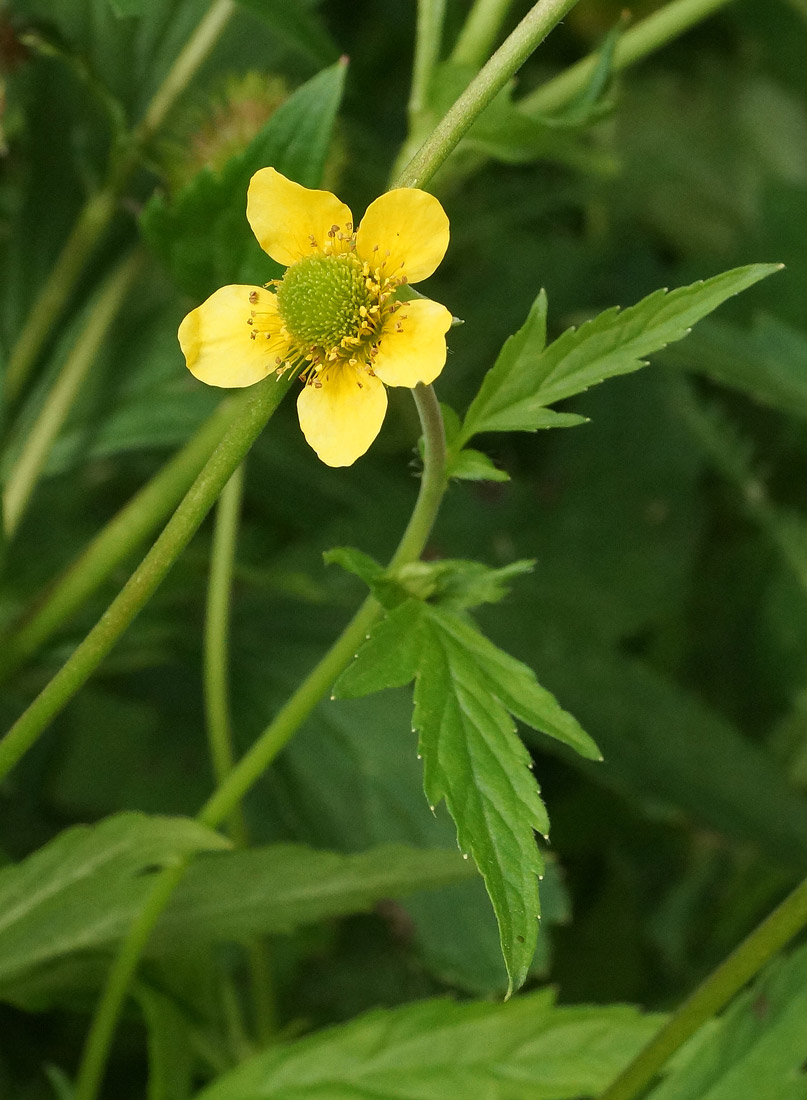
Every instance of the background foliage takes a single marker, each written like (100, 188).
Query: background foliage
(667, 606)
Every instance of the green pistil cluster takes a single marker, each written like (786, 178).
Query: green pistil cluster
(324, 299)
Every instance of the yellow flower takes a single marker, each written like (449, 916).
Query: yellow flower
(334, 317)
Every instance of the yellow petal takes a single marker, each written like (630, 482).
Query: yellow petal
(412, 346)
(342, 415)
(406, 230)
(216, 337)
(285, 216)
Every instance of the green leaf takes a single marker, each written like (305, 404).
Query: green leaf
(436, 1050)
(295, 140)
(465, 691)
(453, 582)
(170, 1050)
(471, 465)
(354, 561)
(528, 376)
(755, 1050)
(297, 24)
(81, 890)
(231, 895)
(127, 8)
(767, 362)
(507, 133)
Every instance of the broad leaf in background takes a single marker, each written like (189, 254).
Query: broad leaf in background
(295, 21)
(466, 689)
(281, 887)
(768, 362)
(436, 1050)
(666, 748)
(295, 140)
(755, 1050)
(528, 376)
(81, 890)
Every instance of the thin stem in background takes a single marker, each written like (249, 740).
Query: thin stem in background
(634, 45)
(27, 469)
(485, 86)
(275, 737)
(480, 31)
(217, 639)
(121, 536)
(218, 714)
(786, 921)
(258, 404)
(100, 208)
(428, 38)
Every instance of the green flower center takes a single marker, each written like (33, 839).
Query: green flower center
(321, 299)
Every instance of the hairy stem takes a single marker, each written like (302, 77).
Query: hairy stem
(124, 533)
(635, 44)
(259, 404)
(25, 472)
(507, 60)
(277, 734)
(480, 31)
(714, 994)
(100, 208)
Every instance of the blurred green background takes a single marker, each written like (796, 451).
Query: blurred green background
(668, 604)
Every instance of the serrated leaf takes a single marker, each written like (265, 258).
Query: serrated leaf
(454, 582)
(295, 140)
(471, 465)
(527, 376)
(81, 890)
(465, 690)
(755, 1050)
(437, 1050)
(354, 561)
(284, 886)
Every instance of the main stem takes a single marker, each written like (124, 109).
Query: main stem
(277, 734)
(258, 405)
(714, 994)
(100, 208)
(487, 84)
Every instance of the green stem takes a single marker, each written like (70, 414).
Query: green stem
(319, 681)
(100, 208)
(485, 86)
(635, 44)
(93, 1060)
(217, 712)
(216, 641)
(40, 438)
(480, 31)
(258, 405)
(138, 519)
(428, 37)
(277, 734)
(714, 994)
